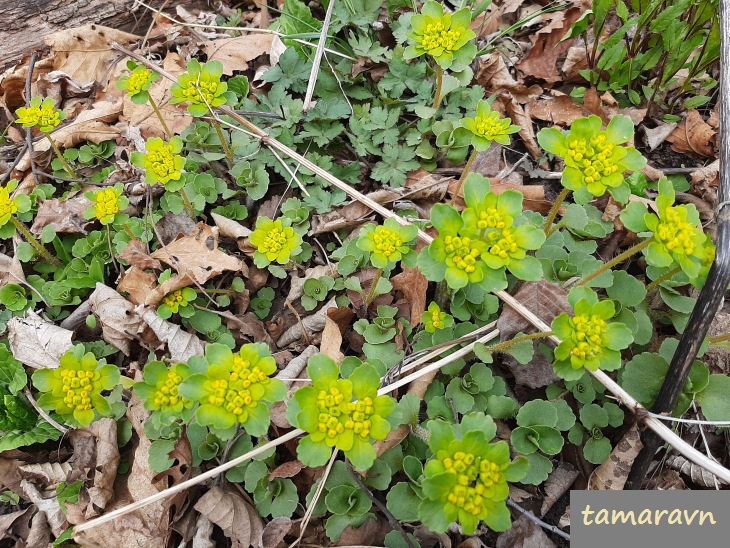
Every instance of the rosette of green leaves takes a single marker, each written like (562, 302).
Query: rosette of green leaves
(235, 388)
(466, 481)
(201, 86)
(74, 389)
(446, 37)
(589, 340)
(388, 243)
(593, 419)
(343, 413)
(159, 391)
(676, 233)
(594, 159)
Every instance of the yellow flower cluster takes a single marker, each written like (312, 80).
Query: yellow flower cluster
(589, 334)
(206, 95)
(329, 405)
(386, 241)
(468, 469)
(8, 206)
(167, 396)
(76, 387)
(504, 243)
(436, 318)
(435, 36)
(162, 162)
(107, 204)
(229, 395)
(488, 127)
(174, 299)
(359, 421)
(459, 251)
(676, 233)
(491, 218)
(40, 113)
(593, 157)
(138, 79)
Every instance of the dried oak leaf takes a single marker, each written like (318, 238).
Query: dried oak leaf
(116, 314)
(50, 474)
(561, 110)
(275, 531)
(11, 271)
(137, 283)
(238, 520)
(287, 470)
(557, 484)
(494, 75)
(694, 135)
(104, 432)
(235, 53)
(37, 343)
(64, 216)
(48, 505)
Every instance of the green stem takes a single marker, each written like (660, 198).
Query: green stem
(556, 227)
(439, 83)
(42, 251)
(554, 210)
(616, 260)
(159, 116)
(720, 338)
(224, 144)
(663, 278)
(67, 167)
(500, 347)
(186, 200)
(464, 174)
(371, 293)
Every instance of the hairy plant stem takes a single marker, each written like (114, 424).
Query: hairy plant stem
(464, 174)
(663, 278)
(616, 260)
(500, 347)
(66, 166)
(186, 200)
(556, 227)
(439, 83)
(224, 144)
(554, 211)
(159, 117)
(371, 293)
(42, 251)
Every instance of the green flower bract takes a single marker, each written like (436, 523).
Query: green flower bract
(162, 163)
(177, 302)
(137, 82)
(434, 318)
(107, 203)
(388, 243)
(201, 86)
(274, 241)
(41, 113)
(160, 390)
(10, 206)
(487, 126)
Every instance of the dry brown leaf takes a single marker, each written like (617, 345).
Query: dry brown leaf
(247, 327)
(295, 369)
(521, 117)
(37, 343)
(494, 75)
(136, 255)
(235, 53)
(50, 474)
(370, 533)
(694, 135)
(275, 531)
(696, 473)
(331, 339)
(11, 271)
(104, 432)
(182, 345)
(413, 285)
(557, 484)
(48, 505)
(229, 228)
(116, 314)
(706, 180)
(653, 137)
(238, 520)
(287, 470)
(561, 110)
(204, 530)
(613, 473)
(575, 61)
(546, 300)
(137, 283)
(524, 534)
(64, 216)
(311, 324)
(60, 86)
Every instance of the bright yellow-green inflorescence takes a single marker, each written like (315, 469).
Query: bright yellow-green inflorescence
(166, 395)
(275, 241)
(675, 232)
(468, 468)
(435, 36)
(488, 127)
(77, 387)
(459, 251)
(41, 114)
(386, 241)
(107, 204)
(593, 157)
(491, 218)
(161, 161)
(360, 413)
(437, 318)
(329, 404)
(589, 333)
(207, 86)
(174, 299)
(138, 79)
(504, 243)
(234, 394)
(8, 206)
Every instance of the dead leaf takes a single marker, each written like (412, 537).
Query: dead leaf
(50, 474)
(64, 216)
(414, 286)
(48, 505)
(613, 473)
(235, 53)
(705, 180)
(136, 255)
(653, 137)
(524, 534)
(230, 228)
(557, 484)
(106, 463)
(204, 530)
(287, 470)
(295, 369)
(37, 343)
(181, 344)
(694, 135)
(494, 75)
(561, 110)
(332, 337)
(238, 520)
(60, 86)
(275, 531)
(696, 473)
(370, 533)
(11, 271)
(311, 324)
(521, 117)
(116, 314)
(575, 61)
(137, 283)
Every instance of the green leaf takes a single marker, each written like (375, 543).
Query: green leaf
(525, 440)
(549, 440)
(597, 451)
(158, 455)
(286, 501)
(12, 374)
(41, 433)
(714, 398)
(633, 217)
(538, 412)
(593, 416)
(403, 501)
(540, 468)
(626, 289)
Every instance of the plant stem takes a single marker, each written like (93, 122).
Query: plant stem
(663, 278)
(371, 293)
(42, 251)
(554, 211)
(616, 260)
(464, 174)
(159, 116)
(67, 167)
(500, 347)
(439, 83)
(556, 227)
(188, 205)
(720, 338)
(224, 144)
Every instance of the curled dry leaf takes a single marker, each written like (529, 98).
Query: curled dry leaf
(182, 345)
(495, 76)
(669, 480)
(694, 135)
(37, 343)
(331, 339)
(137, 283)
(64, 216)
(59, 86)
(557, 484)
(203, 533)
(235, 53)
(287, 470)
(414, 286)
(613, 473)
(653, 137)
(521, 117)
(48, 505)
(107, 460)
(295, 369)
(524, 533)
(561, 110)
(229, 228)
(238, 520)
(696, 473)
(275, 531)
(116, 314)
(11, 271)
(136, 255)
(50, 474)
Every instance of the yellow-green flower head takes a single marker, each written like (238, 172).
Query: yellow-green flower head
(444, 36)
(594, 159)
(434, 319)
(466, 480)
(236, 388)
(160, 390)
(162, 163)
(710, 252)
(177, 302)
(589, 339)
(137, 82)
(73, 390)
(107, 203)
(388, 243)
(9, 206)
(201, 87)
(274, 241)
(342, 413)
(41, 113)
(487, 126)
